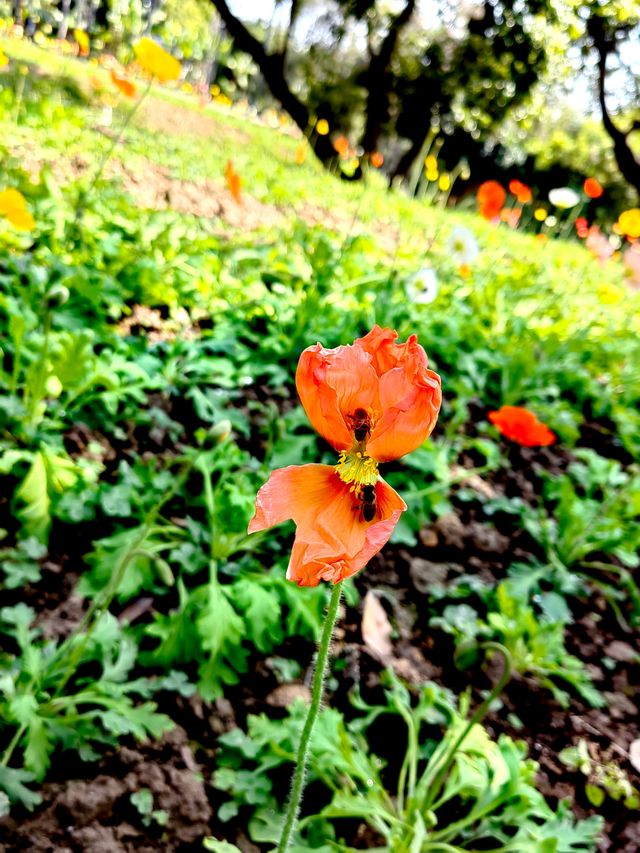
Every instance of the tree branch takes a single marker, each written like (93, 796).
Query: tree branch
(627, 163)
(272, 68)
(376, 79)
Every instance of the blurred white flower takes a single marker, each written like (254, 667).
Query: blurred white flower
(422, 287)
(463, 247)
(563, 197)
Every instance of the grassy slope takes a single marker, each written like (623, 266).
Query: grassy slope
(557, 287)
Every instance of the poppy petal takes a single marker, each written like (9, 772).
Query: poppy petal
(332, 541)
(332, 384)
(410, 397)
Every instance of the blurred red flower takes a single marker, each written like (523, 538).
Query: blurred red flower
(582, 227)
(521, 191)
(593, 188)
(491, 197)
(522, 426)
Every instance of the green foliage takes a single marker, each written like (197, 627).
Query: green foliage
(491, 782)
(100, 707)
(131, 337)
(535, 642)
(605, 777)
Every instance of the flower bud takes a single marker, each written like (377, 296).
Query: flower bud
(57, 295)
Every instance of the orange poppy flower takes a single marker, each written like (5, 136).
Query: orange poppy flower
(521, 191)
(491, 196)
(377, 159)
(234, 182)
(593, 188)
(522, 426)
(373, 401)
(341, 145)
(301, 153)
(124, 86)
(511, 216)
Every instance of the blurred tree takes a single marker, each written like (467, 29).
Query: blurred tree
(612, 31)
(393, 69)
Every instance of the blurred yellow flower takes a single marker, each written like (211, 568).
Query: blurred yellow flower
(301, 153)
(610, 294)
(156, 61)
(322, 127)
(82, 40)
(540, 214)
(431, 163)
(444, 183)
(432, 174)
(13, 206)
(629, 223)
(4, 60)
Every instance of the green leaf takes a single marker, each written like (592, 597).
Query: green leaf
(594, 794)
(38, 749)
(261, 611)
(220, 846)
(13, 782)
(34, 494)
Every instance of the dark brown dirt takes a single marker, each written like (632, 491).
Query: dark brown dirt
(96, 814)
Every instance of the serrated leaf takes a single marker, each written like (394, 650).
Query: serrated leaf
(262, 614)
(13, 782)
(38, 748)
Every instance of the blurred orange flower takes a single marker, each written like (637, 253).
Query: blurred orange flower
(124, 86)
(234, 183)
(377, 159)
(521, 191)
(156, 61)
(341, 145)
(593, 188)
(13, 206)
(522, 426)
(511, 217)
(491, 197)
(82, 40)
(373, 401)
(301, 153)
(629, 223)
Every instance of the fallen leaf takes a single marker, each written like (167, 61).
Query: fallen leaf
(376, 630)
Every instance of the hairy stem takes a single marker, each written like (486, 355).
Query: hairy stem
(293, 807)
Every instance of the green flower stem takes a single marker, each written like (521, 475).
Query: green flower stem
(317, 690)
(433, 787)
(107, 155)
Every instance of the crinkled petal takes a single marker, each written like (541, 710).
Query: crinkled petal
(332, 540)
(332, 384)
(410, 398)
